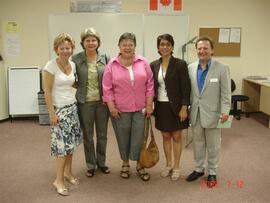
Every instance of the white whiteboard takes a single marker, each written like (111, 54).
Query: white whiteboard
(109, 25)
(23, 86)
(112, 25)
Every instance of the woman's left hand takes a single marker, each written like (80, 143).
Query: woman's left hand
(149, 111)
(183, 114)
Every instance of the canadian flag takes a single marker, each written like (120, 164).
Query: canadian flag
(165, 5)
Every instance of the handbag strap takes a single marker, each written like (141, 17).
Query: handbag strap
(147, 125)
(151, 129)
(146, 130)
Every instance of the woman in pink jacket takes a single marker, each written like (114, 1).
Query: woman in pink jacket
(128, 90)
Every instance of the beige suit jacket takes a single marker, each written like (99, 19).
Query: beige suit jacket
(215, 97)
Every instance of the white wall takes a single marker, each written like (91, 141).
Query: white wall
(32, 19)
(268, 53)
(252, 16)
(3, 93)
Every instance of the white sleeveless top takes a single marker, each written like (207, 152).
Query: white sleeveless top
(62, 91)
(162, 93)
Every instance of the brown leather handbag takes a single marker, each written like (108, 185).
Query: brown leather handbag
(149, 155)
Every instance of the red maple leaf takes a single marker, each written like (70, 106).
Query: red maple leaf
(165, 2)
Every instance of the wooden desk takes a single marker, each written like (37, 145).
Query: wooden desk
(259, 95)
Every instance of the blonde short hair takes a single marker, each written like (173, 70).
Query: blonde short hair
(90, 32)
(62, 38)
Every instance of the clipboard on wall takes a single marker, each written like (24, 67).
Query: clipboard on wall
(222, 48)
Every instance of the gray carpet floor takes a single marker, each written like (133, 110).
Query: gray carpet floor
(27, 170)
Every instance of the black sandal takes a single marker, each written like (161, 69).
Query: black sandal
(90, 173)
(124, 173)
(143, 174)
(104, 169)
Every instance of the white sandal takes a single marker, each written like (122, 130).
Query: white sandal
(175, 174)
(166, 172)
(61, 191)
(72, 180)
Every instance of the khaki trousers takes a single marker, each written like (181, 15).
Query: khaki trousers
(206, 140)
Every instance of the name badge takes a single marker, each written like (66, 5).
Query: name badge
(213, 80)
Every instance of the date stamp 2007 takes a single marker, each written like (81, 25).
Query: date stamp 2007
(237, 184)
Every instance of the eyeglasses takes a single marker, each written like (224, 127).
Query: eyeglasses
(165, 45)
(127, 45)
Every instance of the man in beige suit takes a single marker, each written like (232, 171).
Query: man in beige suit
(210, 101)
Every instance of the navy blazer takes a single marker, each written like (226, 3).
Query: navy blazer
(177, 82)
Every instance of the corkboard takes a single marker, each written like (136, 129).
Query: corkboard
(220, 49)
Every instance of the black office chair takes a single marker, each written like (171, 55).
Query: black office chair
(237, 98)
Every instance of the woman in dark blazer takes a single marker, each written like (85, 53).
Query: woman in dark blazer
(172, 90)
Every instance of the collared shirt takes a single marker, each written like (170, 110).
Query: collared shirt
(118, 87)
(201, 75)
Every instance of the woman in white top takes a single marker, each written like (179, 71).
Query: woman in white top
(59, 78)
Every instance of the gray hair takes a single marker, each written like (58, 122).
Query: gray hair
(127, 35)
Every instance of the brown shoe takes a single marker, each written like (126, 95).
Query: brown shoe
(90, 173)
(124, 173)
(143, 174)
(105, 169)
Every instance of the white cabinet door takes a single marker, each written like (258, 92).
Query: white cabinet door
(23, 84)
